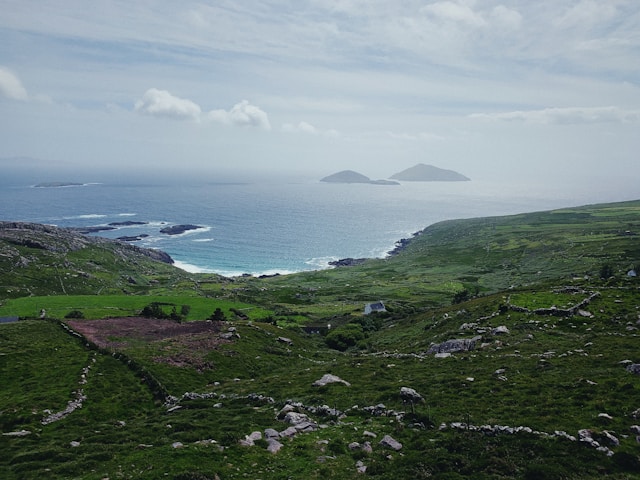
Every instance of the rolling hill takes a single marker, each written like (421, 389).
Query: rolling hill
(508, 349)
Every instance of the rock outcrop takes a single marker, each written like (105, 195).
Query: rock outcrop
(178, 229)
(455, 345)
(64, 240)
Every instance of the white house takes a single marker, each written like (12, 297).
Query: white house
(374, 307)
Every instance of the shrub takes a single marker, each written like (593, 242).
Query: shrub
(218, 315)
(153, 310)
(606, 271)
(74, 314)
(345, 336)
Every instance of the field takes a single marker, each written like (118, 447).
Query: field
(544, 393)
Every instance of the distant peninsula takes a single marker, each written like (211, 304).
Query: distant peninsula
(58, 184)
(429, 173)
(349, 176)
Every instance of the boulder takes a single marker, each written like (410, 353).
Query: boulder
(286, 409)
(328, 378)
(454, 345)
(20, 433)
(410, 395)
(306, 427)
(288, 432)
(501, 330)
(634, 368)
(294, 418)
(273, 446)
(389, 442)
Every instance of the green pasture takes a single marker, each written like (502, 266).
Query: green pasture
(548, 373)
(105, 306)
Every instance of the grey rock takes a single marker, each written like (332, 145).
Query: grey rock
(273, 446)
(288, 432)
(454, 345)
(271, 433)
(634, 368)
(295, 418)
(410, 395)
(389, 442)
(306, 427)
(20, 433)
(328, 378)
(501, 330)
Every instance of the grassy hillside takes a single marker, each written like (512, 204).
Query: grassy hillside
(545, 392)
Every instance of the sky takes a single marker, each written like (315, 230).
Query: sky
(494, 89)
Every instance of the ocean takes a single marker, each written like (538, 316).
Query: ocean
(277, 226)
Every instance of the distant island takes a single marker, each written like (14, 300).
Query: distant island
(417, 173)
(58, 184)
(429, 173)
(349, 176)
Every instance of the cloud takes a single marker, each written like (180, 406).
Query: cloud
(566, 115)
(161, 103)
(304, 127)
(242, 114)
(454, 12)
(10, 85)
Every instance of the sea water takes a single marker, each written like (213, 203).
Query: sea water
(277, 226)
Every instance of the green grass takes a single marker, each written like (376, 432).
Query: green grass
(548, 373)
(105, 306)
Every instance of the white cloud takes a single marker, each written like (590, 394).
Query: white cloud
(10, 85)
(304, 127)
(566, 115)
(454, 12)
(242, 114)
(161, 103)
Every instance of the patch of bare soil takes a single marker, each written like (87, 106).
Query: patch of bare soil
(183, 344)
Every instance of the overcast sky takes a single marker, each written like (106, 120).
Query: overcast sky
(491, 88)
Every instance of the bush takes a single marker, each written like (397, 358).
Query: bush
(606, 271)
(74, 314)
(153, 310)
(344, 337)
(218, 315)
